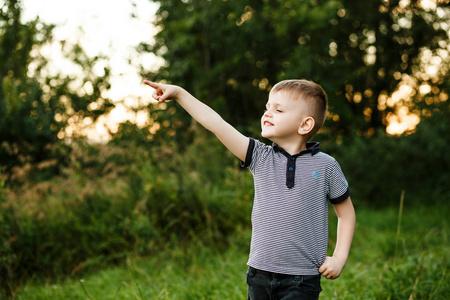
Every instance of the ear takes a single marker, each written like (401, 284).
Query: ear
(306, 126)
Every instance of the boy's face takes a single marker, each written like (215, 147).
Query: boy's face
(282, 118)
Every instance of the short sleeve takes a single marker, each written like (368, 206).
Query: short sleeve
(338, 185)
(256, 152)
(248, 156)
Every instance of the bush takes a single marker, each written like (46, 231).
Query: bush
(379, 168)
(113, 200)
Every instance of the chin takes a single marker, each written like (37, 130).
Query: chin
(265, 135)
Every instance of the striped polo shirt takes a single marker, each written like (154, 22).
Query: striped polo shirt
(290, 209)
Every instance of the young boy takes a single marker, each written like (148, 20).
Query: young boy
(293, 181)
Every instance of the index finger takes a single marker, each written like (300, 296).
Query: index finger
(152, 84)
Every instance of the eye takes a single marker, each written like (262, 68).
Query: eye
(279, 110)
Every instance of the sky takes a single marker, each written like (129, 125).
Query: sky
(107, 28)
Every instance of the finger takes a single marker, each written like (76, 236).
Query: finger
(324, 267)
(155, 95)
(152, 84)
(327, 273)
(159, 95)
(162, 98)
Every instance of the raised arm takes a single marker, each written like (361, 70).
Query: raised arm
(332, 267)
(236, 142)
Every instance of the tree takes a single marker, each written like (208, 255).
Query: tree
(230, 53)
(35, 107)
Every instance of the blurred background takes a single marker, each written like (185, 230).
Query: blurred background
(94, 174)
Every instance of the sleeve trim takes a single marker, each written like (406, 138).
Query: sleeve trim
(248, 156)
(341, 198)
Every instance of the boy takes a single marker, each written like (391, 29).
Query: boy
(293, 181)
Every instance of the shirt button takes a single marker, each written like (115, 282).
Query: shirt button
(292, 158)
(291, 169)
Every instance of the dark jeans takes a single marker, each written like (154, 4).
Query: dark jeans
(264, 285)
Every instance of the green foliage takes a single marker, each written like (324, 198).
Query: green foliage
(113, 200)
(230, 53)
(6, 222)
(121, 198)
(375, 271)
(419, 271)
(191, 205)
(379, 168)
(35, 105)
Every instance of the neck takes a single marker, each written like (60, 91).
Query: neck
(292, 147)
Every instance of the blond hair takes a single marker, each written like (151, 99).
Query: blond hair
(313, 96)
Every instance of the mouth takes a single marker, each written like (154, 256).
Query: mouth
(267, 123)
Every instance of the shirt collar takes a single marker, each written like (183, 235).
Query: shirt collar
(311, 147)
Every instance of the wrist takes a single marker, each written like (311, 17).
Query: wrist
(182, 94)
(342, 260)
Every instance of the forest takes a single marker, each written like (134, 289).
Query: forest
(162, 210)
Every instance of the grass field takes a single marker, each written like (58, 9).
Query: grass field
(394, 256)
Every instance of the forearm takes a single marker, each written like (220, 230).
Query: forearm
(201, 112)
(345, 231)
(332, 267)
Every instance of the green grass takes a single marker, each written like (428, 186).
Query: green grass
(389, 260)
(194, 273)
